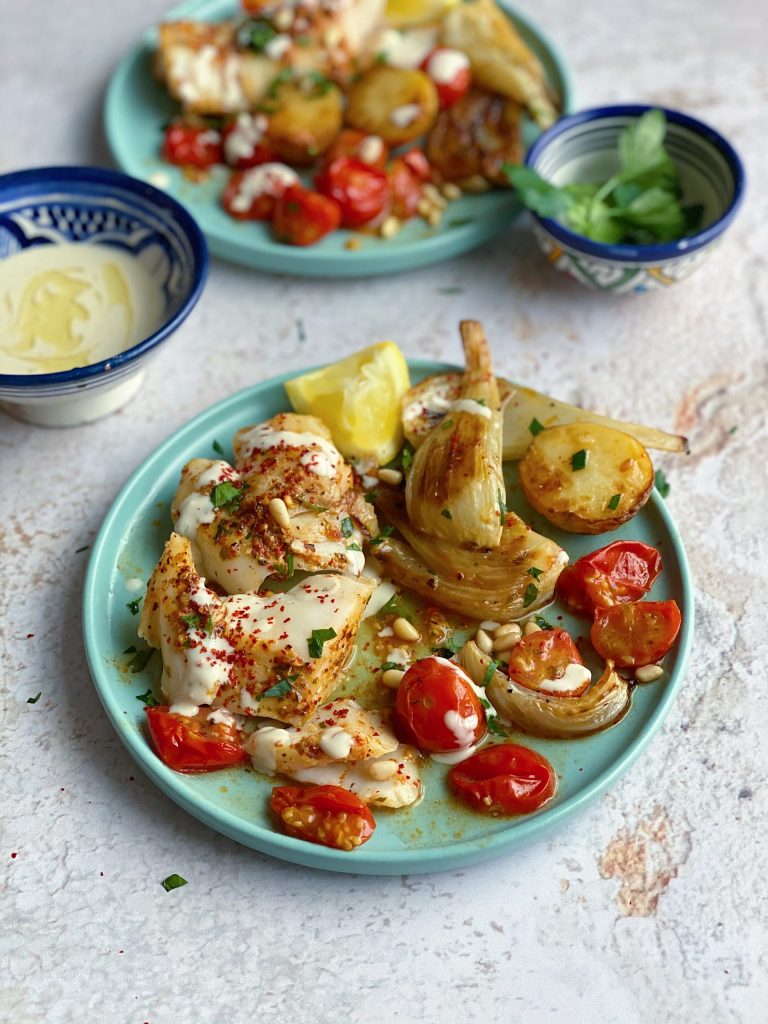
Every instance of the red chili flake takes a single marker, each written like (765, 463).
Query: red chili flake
(30, 635)
(342, 713)
(13, 856)
(283, 636)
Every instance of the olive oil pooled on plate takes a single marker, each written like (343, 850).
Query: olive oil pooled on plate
(72, 304)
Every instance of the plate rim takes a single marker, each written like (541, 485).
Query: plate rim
(270, 842)
(269, 256)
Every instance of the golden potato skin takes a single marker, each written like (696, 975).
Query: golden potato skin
(577, 500)
(476, 136)
(303, 124)
(371, 101)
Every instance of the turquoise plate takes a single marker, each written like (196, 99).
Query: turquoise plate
(137, 107)
(437, 834)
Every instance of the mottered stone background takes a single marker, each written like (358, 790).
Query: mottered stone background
(650, 907)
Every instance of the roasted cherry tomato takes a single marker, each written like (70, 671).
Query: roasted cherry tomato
(253, 194)
(193, 744)
(405, 189)
(542, 662)
(243, 142)
(622, 571)
(303, 217)
(436, 707)
(417, 164)
(635, 634)
(504, 779)
(191, 145)
(449, 70)
(369, 149)
(328, 815)
(361, 191)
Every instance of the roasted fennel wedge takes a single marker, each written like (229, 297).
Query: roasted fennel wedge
(455, 486)
(426, 404)
(603, 704)
(491, 584)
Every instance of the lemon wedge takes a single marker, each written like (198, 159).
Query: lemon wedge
(358, 398)
(401, 13)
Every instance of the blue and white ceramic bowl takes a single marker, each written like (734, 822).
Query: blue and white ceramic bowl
(583, 148)
(91, 205)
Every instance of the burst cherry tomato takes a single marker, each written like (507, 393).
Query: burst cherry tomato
(622, 571)
(243, 142)
(327, 815)
(449, 70)
(361, 191)
(191, 145)
(193, 744)
(635, 634)
(303, 217)
(542, 661)
(370, 149)
(405, 189)
(417, 164)
(253, 194)
(504, 779)
(436, 707)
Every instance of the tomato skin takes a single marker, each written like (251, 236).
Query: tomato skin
(417, 164)
(261, 208)
(349, 143)
(361, 191)
(326, 815)
(430, 689)
(193, 744)
(188, 145)
(541, 656)
(504, 778)
(405, 188)
(637, 634)
(302, 217)
(620, 572)
(450, 92)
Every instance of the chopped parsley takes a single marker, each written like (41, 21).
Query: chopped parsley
(392, 607)
(579, 459)
(492, 666)
(493, 726)
(317, 640)
(406, 457)
(284, 76)
(502, 506)
(446, 424)
(195, 621)
(387, 531)
(536, 573)
(35, 699)
(662, 484)
(322, 83)
(392, 664)
(280, 688)
(217, 448)
(139, 660)
(354, 547)
(613, 504)
(148, 699)
(446, 513)
(452, 644)
(535, 427)
(530, 595)
(542, 623)
(225, 494)
(173, 881)
(347, 527)
(371, 496)
(133, 606)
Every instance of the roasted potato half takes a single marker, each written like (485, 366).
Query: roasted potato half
(476, 136)
(304, 120)
(586, 478)
(397, 105)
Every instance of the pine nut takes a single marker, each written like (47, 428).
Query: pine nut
(424, 208)
(451, 191)
(390, 227)
(391, 476)
(381, 770)
(404, 630)
(434, 218)
(392, 677)
(283, 19)
(279, 512)
(483, 641)
(531, 627)
(489, 625)
(648, 673)
(508, 629)
(505, 642)
(433, 195)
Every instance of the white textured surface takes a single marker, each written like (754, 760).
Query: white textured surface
(648, 909)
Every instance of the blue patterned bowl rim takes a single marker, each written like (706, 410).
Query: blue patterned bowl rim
(644, 253)
(102, 176)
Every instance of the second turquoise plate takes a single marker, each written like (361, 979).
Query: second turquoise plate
(137, 107)
(437, 834)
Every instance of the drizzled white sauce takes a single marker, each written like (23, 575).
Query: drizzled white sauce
(336, 743)
(406, 49)
(263, 745)
(278, 46)
(445, 64)
(463, 729)
(405, 114)
(455, 756)
(194, 675)
(399, 656)
(321, 463)
(266, 180)
(220, 716)
(319, 456)
(574, 677)
(370, 150)
(197, 509)
(206, 74)
(471, 406)
(241, 142)
(134, 584)
(201, 595)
